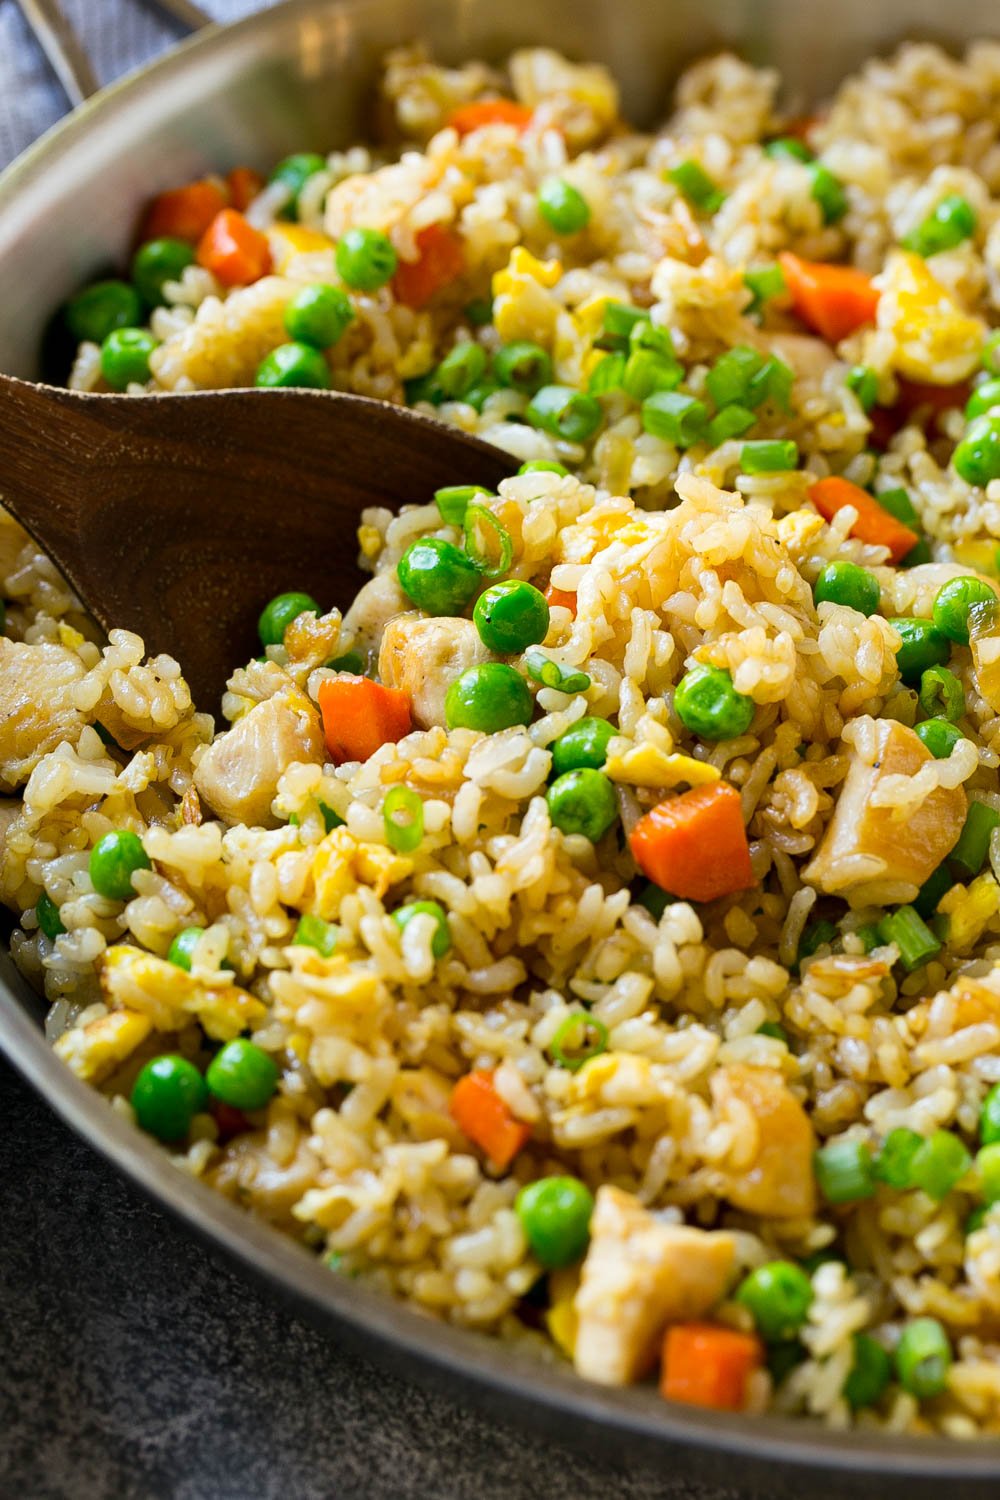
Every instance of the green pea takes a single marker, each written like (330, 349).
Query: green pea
(952, 604)
(314, 932)
(709, 706)
(584, 745)
(828, 192)
(114, 859)
(584, 802)
(181, 951)
(523, 366)
(47, 916)
(555, 1216)
(511, 616)
(977, 456)
(923, 1358)
(923, 646)
(125, 357)
(847, 583)
(562, 206)
(983, 399)
(295, 364)
(461, 369)
(870, 1372)
(101, 308)
(778, 1295)
(438, 577)
(157, 262)
(295, 171)
(939, 736)
(276, 616)
(988, 1173)
(318, 316)
(441, 941)
(952, 221)
(365, 259)
(989, 1117)
(243, 1075)
(488, 698)
(167, 1094)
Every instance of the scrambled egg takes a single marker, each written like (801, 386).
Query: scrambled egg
(167, 997)
(94, 1051)
(936, 340)
(341, 864)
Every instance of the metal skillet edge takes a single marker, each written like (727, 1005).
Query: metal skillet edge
(781, 1457)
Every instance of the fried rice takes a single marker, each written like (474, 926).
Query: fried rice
(739, 1051)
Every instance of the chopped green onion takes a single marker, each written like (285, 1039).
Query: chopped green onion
(788, 148)
(461, 369)
(730, 422)
(648, 335)
(898, 503)
(351, 661)
(542, 466)
(479, 311)
(828, 191)
(541, 668)
(565, 413)
(696, 185)
(765, 282)
(921, 553)
(331, 819)
(923, 1358)
(870, 1372)
(579, 1038)
(938, 1164)
(771, 456)
(313, 932)
(441, 941)
(941, 694)
(772, 382)
(864, 383)
(976, 1219)
(728, 381)
(647, 372)
(403, 817)
(423, 388)
(911, 935)
(523, 366)
(868, 936)
(969, 854)
(654, 899)
(620, 318)
(772, 1029)
(816, 935)
(894, 1163)
(476, 516)
(607, 375)
(927, 899)
(675, 417)
(953, 220)
(454, 500)
(844, 1171)
(990, 357)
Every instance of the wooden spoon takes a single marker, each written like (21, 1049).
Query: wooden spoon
(180, 516)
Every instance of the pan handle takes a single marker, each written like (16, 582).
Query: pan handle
(65, 53)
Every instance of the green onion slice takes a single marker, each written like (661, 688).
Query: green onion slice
(494, 566)
(550, 674)
(403, 816)
(579, 1038)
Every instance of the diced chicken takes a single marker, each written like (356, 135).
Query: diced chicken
(868, 852)
(250, 1175)
(374, 606)
(808, 357)
(238, 775)
(775, 1177)
(640, 1275)
(36, 707)
(424, 657)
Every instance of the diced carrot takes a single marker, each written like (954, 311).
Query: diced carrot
(560, 598)
(233, 250)
(833, 300)
(707, 1365)
(360, 715)
(183, 213)
(481, 1114)
(695, 845)
(916, 396)
(440, 261)
(801, 127)
(229, 1120)
(469, 117)
(874, 525)
(244, 184)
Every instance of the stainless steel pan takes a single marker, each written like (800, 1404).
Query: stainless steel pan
(295, 77)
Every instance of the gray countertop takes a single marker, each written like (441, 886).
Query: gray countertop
(137, 1366)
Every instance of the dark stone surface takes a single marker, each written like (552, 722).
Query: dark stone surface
(134, 1366)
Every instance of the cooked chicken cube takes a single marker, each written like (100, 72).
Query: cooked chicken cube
(36, 707)
(374, 606)
(773, 1175)
(640, 1275)
(424, 657)
(870, 853)
(238, 775)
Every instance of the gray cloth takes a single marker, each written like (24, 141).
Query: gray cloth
(117, 35)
